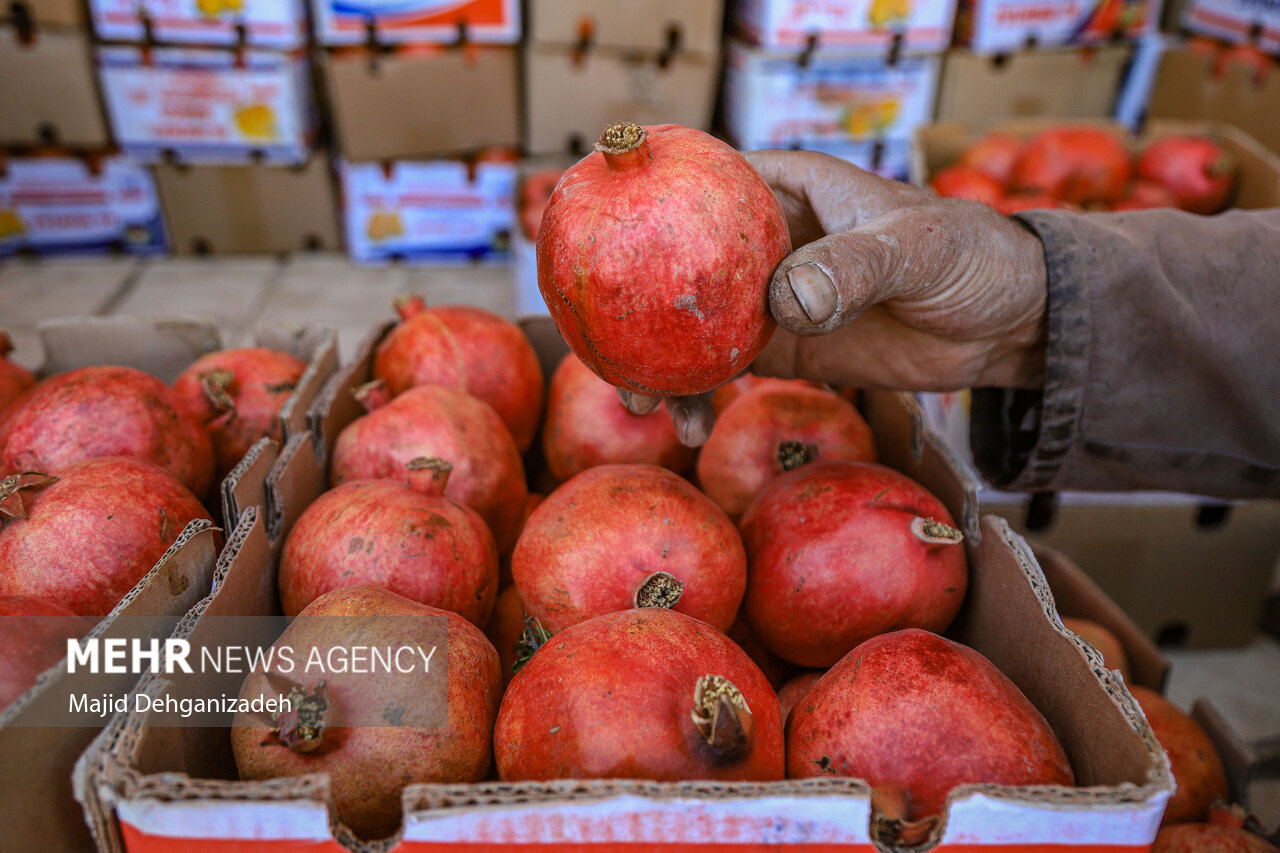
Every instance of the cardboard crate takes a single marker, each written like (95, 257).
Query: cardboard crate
(70, 205)
(340, 22)
(647, 25)
(50, 95)
(1235, 21)
(44, 13)
(1188, 87)
(1000, 26)
(869, 25)
(1249, 766)
(143, 794)
(250, 209)
(405, 103)
(278, 24)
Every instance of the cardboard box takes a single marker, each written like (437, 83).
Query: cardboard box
(868, 25)
(250, 209)
(1188, 87)
(416, 21)
(50, 96)
(71, 205)
(771, 101)
(44, 13)
(1235, 21)
(1065, 83)
(1249, 766)
(997, 26)
(203, 105)
(143, 793)
(647, 25)
(572, 96)
(261, 23)
(405, 103)
(428, 211)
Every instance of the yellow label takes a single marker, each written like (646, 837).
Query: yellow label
(257, 121)
(384, 224)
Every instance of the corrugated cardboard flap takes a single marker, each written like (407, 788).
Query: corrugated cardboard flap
(161, 346)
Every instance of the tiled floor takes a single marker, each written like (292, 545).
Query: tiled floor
(1244, 684)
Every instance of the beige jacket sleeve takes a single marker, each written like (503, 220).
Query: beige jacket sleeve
(1163, 364)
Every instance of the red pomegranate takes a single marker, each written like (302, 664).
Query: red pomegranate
(236, 394)
(469, 349)
(1197, 170)
(1101, 638)
(535, 192)
(967, 182)
(105, 411)
(730, 391)
(86, 535)
(438, 422)
(1075, 163)
(14, 378)
(793, 691)
(505, 630)
(621, 536)
(838, 552)
(1222, 832)
(777, 670)
(1257, 62)
(412, 541)
(774, 428)
(399, 724)
(33, 634)
(1197, 770)
(587, 426)
(504, 560)
(915, 715)
(639, 694)
(995, 155)
(655, 256)
(1011, 204)
(1146, 195)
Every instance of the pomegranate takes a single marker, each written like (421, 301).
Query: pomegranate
(1197, 770)
(692, 705)
(621, 536)
(431, 723)
(505, 630)
(793, 691)
(1197, 170)
(504, 561)
(730, 391)
(469, 349)
(412, 541)
(1255, 60)
(587, 426)
(105, 411)
(85, 535)
(443, 423)
(838, 552)
(1075, 163)
(655, 256)
(777, 670)
(33, 634)
(535, 192)
(1146, 195)
(14, 378)
(1222, 832)
(1102, 639)
(774, 428)
(1011, 204)
(995, 155)
(237, 394)
(966, 182)
(915, 715)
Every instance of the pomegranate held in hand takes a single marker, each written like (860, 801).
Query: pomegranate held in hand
(1197, 770)
(655, 257)
(639, 694)
(622, 536)
(915, 715)
(838, 552)
(469, 349)
(1075, 163)
(14, 378)
(1199, 173)
(405, 724)
(87, 534)
(33, 634)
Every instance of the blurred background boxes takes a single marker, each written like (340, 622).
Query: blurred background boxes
(994, 26)
(48, 95)
(345, 22)
(45, 13)
(261, 23)
(871, 25)
(1238, 21)
(652, 25)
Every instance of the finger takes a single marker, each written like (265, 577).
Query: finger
(693, 418)
(829, 182)
(829, 282)
(638, 404)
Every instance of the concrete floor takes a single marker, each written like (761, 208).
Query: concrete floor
(1243, 683)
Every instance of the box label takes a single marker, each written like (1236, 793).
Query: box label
(428, 211)
(58, 206)
(1237, 21)
(266, 23)
(991, 26)
(204, 106)
(925, 25)
(348, 21)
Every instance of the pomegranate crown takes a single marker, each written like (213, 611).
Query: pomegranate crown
(620, 137)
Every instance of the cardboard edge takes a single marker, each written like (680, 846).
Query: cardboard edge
(153, 344)
(245, 485)
(333, 407)
(319, 346)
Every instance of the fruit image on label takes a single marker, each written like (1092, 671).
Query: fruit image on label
(217, 8)
(10, 224)
(868, 118)
(885, 13)
(257, 121)
(383, 225)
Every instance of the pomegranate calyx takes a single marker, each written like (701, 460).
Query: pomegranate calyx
(408, 305)
(372, 395)
(215, 384)
(793, 454)
(11, 488)
(625, 146)
(1223, 164)
(660, 589)
(889, 819)
(934, 532)
(721, 715)
(301, 728)
(530, 641)
(429, 475)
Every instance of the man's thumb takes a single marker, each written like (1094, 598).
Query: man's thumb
(825, 284)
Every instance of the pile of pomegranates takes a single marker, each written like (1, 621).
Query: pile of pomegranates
(1091, 168)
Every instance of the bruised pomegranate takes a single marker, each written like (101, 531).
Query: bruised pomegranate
(236, 394)
(639, 694)
(838, 552)
(1075, 163)
(438, 422)
(1146, 195)
(412, 541)
(587, 426)
(621, 536)
(1197, 170)
(774, 428)
(1102, 639)
(469, 349)
(427, 717)
(105, 411)
(14, 378)
(655, 256)
(915, 715)
(995, 155)
(33, 634)
(793, 691)
(85, 535)
(1197, 770)
(968, 183)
